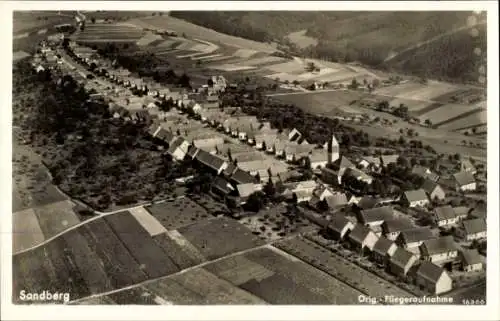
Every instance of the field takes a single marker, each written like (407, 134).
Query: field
(447, 112)
(345, 271)
(27, 21)
(211, 237)
(147, 221)
(300, 39)
(26, 231)
(104, 32)
(177, 213)
(476, 119)
(102, 255)
(416, 91)
(56, 217)
(194, 31)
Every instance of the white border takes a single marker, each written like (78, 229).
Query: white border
(489, 312)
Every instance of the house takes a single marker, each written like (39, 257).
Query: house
(474, 229)
(366, 202)
(383, 250)
(164, 135)
(425, 173)
(336, 201)
(239, 177)
(393, 227)
(294, 135)
(339, 227)
(369, 162)
(358, 174)
(440, 250)
(376, 216)
(433, 278)
(415, 198)
(343, 165)
(434, 190)
(318, 159)
(321, 192)
(221, 187)
(178, 148)
(262, 141)
(464, 181)
(413, 238)
(294, 152)
(207, 142)
(278, 147)
(329, 176)
(461, 212)
(385, 160)
(193, 152)
(444, 216)
(466, 166)
(213, 162)
(244, 191)
(471, 260)
(401, 262)
(302, 196)
(229, 170)
(361, 238)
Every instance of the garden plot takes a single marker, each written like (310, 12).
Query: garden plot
(447, 112)
(211, 237)
(177, 213)
(476, 119)
(26, 231)
(56, 217)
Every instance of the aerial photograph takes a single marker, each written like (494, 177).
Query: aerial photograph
(249, 157)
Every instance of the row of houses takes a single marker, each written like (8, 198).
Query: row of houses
(424, 268)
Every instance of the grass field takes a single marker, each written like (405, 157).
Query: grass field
(211, 237)
(447, 112)
(476, 119)
(177, 213)
(26, 21)
(26, 231)
(56, 217)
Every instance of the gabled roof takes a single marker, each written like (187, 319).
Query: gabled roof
(165, 135)
(359, 233)
(336, 200)
(479, 211)
(388, 159)
(401, 257)
(397, 225)
(367, 202)
(230, 169)
(210, 160)
(471, 256)
(372, 160)
(346, 163)
(376, 214)
(461, 210)
(193, 151)
(439, 245)
(241, 177)
(415, 195)
(417, 234)
(382, 246)
(467, 165)
(429, 271)
(444, 213)
(318, 156)
(222, 185)
(357, 173)
(474, 226)
(429, 186)
(338, 222)
(464, 178)
(245, 190)
(176, 143)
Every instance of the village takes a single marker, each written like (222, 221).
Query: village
(431, 238)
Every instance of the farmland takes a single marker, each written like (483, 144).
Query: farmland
(104, 32)
(340, 268)
(174, 214)
(27, 21)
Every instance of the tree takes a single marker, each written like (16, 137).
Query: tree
(307, 163)
(92, 19)
(210, 82)
(383, 105)
(255, 202)
(428, 122)
(295, 82)
(354, 84)
(269, 188)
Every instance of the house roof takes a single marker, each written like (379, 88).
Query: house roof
(471, 256)
(357, 173)
(397, 225)
(429, 186)
(382, 246)
(245, 190)
(467, 165)
(461, 210)
(429, 271)
(439, 245)
(367, 202)
(417, 234)
(329, 171)
(165, 135)
(193, 151)
(345, 163)
(474, 226)
(241, 177)
(318, 156)
(464, 178)
(444, 213)
(336, 200)
(210, 160)
(359, 233)
(230, 169)
(248, 156)
(479, 211)
(415, 195)
(177, 142)
(338, 222)
(388, 159)
(372, 160)
(376, 214)
(222, 185)
(401, 257)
